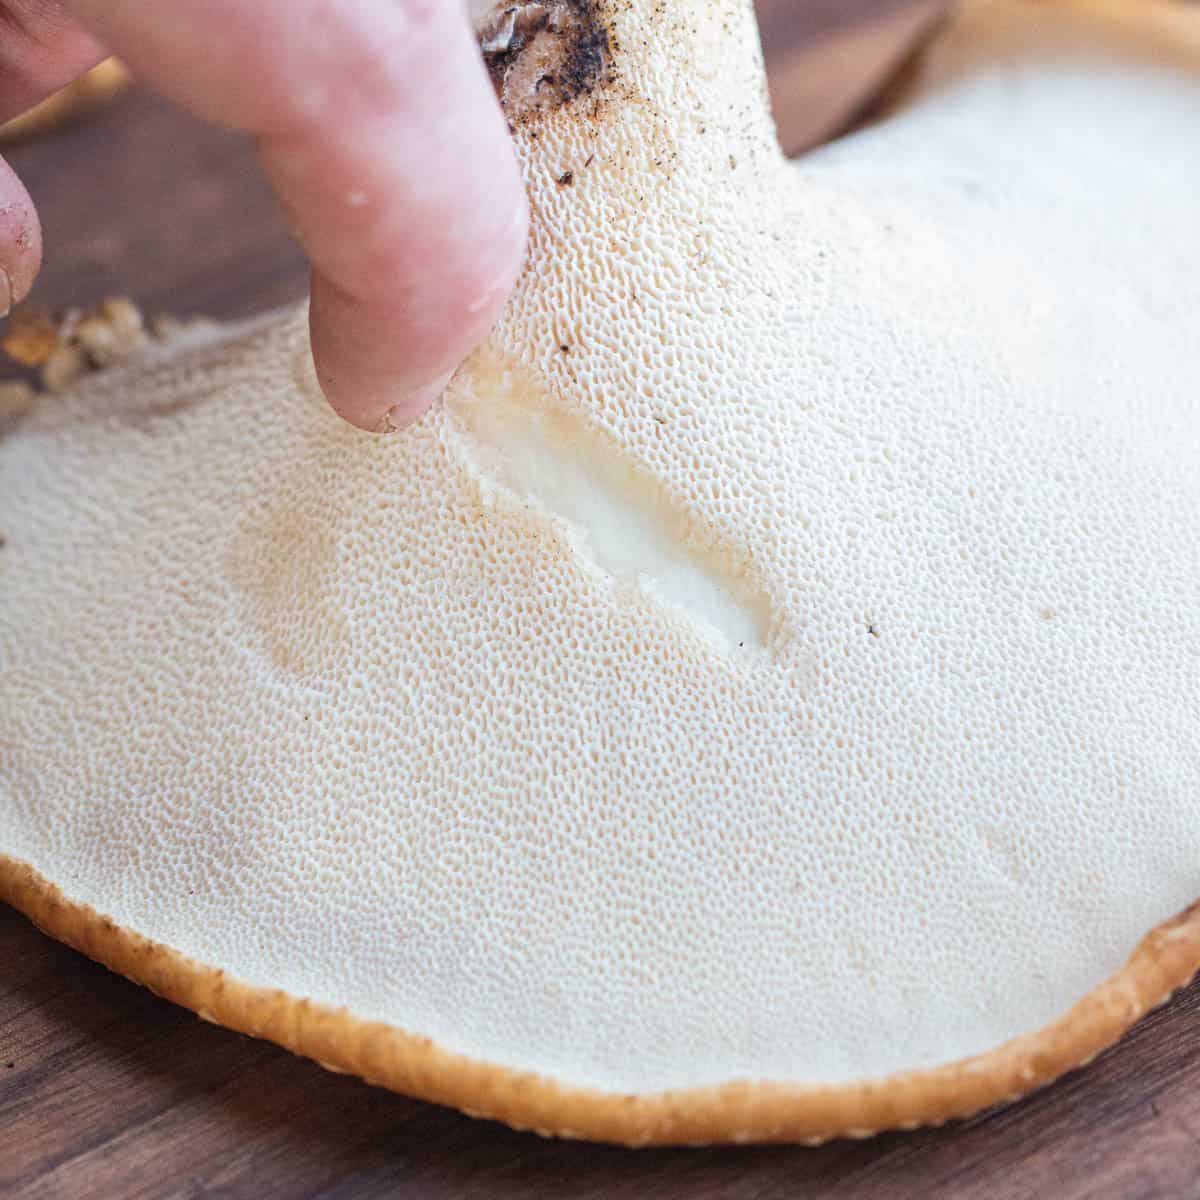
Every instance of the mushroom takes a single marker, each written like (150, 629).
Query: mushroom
(758, 702)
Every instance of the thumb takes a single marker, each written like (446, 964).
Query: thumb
(20, 240)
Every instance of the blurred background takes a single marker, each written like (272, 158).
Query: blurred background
(138, 199)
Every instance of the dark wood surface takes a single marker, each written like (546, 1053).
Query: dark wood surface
(107, 1091)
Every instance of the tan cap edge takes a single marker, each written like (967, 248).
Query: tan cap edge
(735, 1112)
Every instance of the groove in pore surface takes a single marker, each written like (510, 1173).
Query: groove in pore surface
(617, 518)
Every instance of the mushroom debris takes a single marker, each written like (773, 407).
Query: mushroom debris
(759, 701)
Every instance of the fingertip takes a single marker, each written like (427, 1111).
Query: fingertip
(382, 412)
(382, 361)
(361, 378)
(411, 407)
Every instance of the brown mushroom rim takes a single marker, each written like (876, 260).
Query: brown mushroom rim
(733, 1112)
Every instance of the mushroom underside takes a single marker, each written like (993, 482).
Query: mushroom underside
(757, 703)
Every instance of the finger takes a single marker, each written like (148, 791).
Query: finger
(20, 240)
(42, 48)
(379, 128)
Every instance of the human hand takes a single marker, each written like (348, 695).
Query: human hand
(378, 128)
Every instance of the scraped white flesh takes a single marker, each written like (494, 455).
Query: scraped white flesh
(796, 678)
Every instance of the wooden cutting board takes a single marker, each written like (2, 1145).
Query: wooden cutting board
(107, 1091)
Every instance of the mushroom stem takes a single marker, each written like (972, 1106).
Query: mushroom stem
(637, 54)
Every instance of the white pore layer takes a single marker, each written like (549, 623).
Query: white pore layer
(456, 728)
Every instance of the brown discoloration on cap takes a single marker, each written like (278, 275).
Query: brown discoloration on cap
(542, 56)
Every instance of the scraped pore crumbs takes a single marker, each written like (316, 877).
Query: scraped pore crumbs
(67, 346)
(70, 346)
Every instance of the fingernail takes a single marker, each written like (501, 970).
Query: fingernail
(401, 416)
(5, 293)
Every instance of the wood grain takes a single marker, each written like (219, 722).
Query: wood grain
(107, 1091)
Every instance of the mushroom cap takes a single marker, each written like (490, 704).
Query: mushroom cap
(758, 702)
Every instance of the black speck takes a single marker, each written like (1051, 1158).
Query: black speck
(566, 179)
(591, 158)
(10, 1065)
(873, 631)
(564, 349)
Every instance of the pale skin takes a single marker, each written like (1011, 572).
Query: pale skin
(377, 127)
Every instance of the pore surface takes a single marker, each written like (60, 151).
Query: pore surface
(865, 743)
